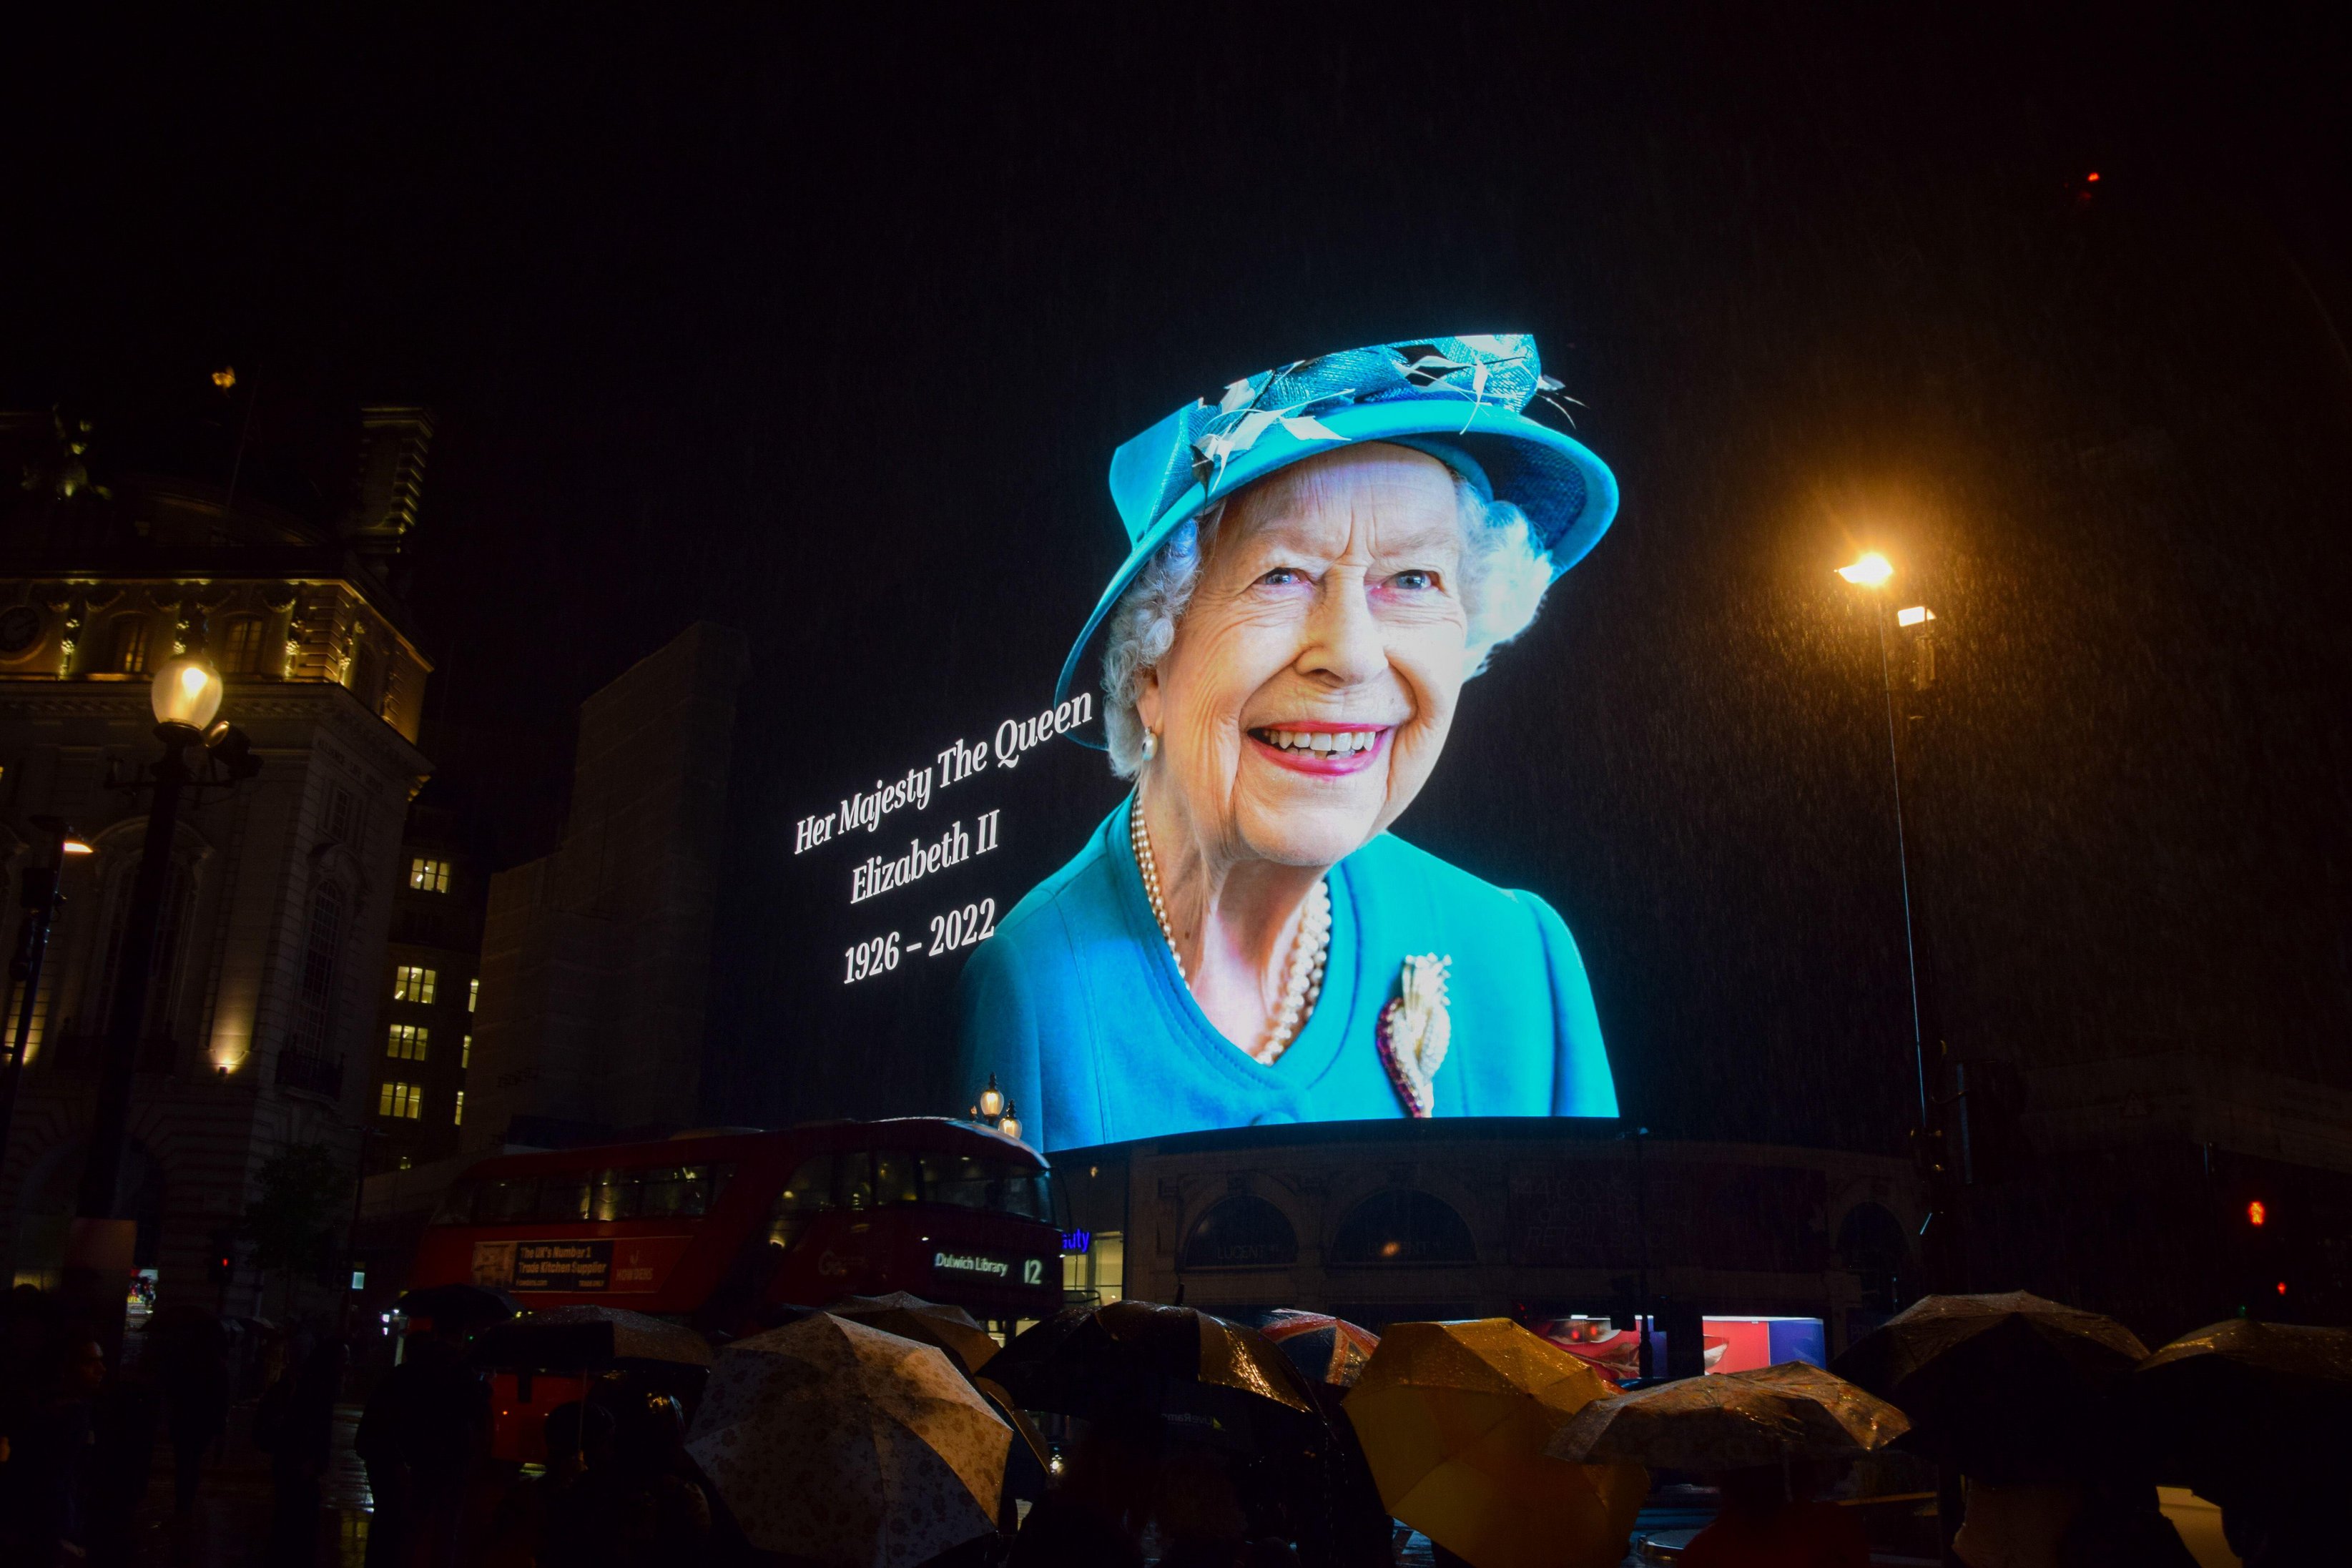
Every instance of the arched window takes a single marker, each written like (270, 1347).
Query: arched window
(163, 964)
(126, 649)
(241, 647)
(1403, 1226)
(1241, 1232)
(314, 1003)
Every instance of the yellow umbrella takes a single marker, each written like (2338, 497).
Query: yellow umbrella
(1455, 1417)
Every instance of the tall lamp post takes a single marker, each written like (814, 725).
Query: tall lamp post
(185, 694)
(1940, 1251)
(41, 899)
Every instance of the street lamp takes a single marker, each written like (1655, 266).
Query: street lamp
(1874, 572)
(1871, 571)
(40, 898)
(1008, 1123)
(990, 1104)
(186, 695)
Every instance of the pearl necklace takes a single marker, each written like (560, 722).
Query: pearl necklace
(1308, 952)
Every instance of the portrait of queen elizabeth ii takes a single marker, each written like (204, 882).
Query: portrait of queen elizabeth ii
(1317, 560)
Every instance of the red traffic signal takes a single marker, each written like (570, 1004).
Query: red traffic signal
(2257, 1214)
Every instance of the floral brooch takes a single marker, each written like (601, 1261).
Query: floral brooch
(1414, 1031)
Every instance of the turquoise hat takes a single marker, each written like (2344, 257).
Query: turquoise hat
(1461, 399)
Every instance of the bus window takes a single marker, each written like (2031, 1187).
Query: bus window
(681, 1192)
(564, 1198)
(968, 1182)
(507, 1201)
(1026, 1195)
(457, 1204)
(810, 1192)
(959, 1179)
(618, 1192)
(857, 1179)
(894, 1176)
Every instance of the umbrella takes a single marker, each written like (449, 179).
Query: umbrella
(831, 1440)
(1139, 1355)
(1454, 1418)
(952, 1329)
(1733, 1421)
(458, 1305)
(1327, 1349)
(2244, 1394)
(1987, 1378)
(576, 1339)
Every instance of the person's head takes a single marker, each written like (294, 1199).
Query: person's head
(1114, 1465)
(83, 1367)
(1296, 654)
(577, 1434)
(1197, 1501)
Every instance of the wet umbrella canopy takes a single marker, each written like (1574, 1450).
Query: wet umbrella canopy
(2243, 1394)
(570, 1339)
(1455, 1417)
(1730, 1421)
(1138, 1356)
(2008, 1381)
(838, 1442)
(1327, 1349)
(909, 1316)
(458, 1305)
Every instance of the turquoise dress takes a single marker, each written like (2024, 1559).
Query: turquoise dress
(1075, 1005)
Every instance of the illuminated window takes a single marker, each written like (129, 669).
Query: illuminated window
(466, 1054)
(473, 993)
(129, 650)
(413, 983)
(401, 1100)
(428, 875)
(408, 1041)
(458, 1116)
(241, 648)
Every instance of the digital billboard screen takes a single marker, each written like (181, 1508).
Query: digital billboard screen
(1180, 888)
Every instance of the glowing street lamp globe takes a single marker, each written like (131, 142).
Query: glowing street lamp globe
(187, 691)
(992, 1101)
(1871, 570)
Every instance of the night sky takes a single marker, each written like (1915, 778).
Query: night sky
(824, 323)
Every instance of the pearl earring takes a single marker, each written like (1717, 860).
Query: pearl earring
(1151, 744)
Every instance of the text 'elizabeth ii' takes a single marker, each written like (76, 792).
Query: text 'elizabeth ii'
(953, 847)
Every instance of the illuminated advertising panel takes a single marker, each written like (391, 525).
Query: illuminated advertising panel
(1315, 559)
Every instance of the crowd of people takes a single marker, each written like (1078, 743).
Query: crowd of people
(79, 1428)
(620, 1488)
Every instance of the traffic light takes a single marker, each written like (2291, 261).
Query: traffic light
(2258, 1213)
(220, 1263)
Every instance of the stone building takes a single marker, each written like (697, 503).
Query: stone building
(431, 986)
(596, 958)
(261, 1016)
(1390, 1221)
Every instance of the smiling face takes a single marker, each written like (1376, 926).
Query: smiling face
(1313, 676)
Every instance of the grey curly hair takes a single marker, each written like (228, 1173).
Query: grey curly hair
(1504, 575)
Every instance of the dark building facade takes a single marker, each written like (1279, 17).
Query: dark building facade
(595, 959)
(261, 1017)
(1389, 1221)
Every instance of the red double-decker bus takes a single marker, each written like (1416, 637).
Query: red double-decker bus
(709, 1228)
